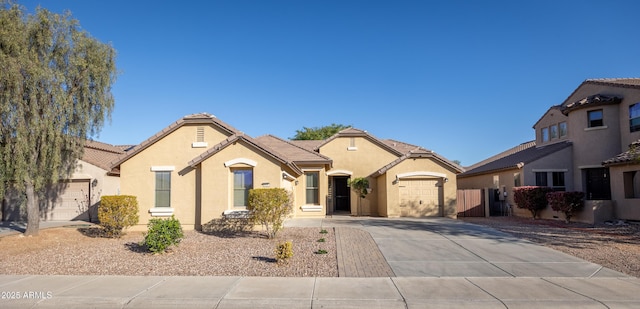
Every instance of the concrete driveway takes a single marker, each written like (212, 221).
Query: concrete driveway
(442, 247)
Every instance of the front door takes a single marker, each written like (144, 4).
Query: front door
(342, 193)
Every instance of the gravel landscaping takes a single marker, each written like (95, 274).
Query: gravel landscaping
(78, 251)
(615, 245)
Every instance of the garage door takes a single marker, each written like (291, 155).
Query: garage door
(71, 204)
(419, 198)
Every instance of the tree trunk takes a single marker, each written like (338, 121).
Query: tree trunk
(33, 211)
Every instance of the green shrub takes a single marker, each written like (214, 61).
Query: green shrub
(532, 198)
(117, 212)
(162, 233)
(284, 251)
(321, 251)
(269, 207)
(566, 202)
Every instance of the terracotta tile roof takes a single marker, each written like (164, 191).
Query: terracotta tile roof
(631, 82)
(251, 141)
(100, 154)
(592, 100)
(292, 151)
(201, 118)
(417, 152)
(310, 145)
(515, 159)
(630, 156)
(400, 146)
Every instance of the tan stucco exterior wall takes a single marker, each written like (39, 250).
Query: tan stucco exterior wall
(174, 150)
(217, 181)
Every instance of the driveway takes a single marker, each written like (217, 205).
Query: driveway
(442, 247)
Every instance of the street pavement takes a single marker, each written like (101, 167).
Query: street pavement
(430, 263)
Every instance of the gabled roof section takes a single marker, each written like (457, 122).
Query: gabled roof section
(292, 151)
(100, 154)
(631, 156)
(418, 152)
(252, 142)
(516, 159)
(201, 118)
(557, 108)
(353, 132)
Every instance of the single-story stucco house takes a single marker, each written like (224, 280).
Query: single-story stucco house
(200, 168)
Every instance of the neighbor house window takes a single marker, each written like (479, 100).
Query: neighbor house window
(562, 128)
(163, 189)
(553, 131)
(242, 183)
(634, 117)
(516, 180)
(541, 179)
(558, 181)
(595, 118)
(312, 196)
(545, 134)
(631, 184)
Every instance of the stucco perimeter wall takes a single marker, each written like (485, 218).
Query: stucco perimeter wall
(392, 193)
(624, 208)
(174, 150)
(364, 160)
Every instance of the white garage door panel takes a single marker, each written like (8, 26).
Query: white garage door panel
(72, 203)
(419, 198)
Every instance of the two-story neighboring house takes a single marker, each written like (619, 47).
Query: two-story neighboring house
(583, 144)
(200, 168)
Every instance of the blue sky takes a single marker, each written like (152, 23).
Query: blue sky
(466, 79)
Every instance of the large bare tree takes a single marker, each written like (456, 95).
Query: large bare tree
(55, 92)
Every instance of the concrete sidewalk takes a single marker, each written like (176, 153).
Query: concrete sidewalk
(268, 292)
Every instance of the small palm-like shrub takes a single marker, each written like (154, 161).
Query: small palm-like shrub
(162, 233)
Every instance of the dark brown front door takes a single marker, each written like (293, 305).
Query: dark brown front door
(343, 194)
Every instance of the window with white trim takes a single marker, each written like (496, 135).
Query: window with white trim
(242, 183)
(163, 189)
(312, 188)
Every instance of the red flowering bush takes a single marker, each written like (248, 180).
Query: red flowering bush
(566, 202)
(532, 198)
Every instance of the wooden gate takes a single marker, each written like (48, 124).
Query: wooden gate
(470, 203)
